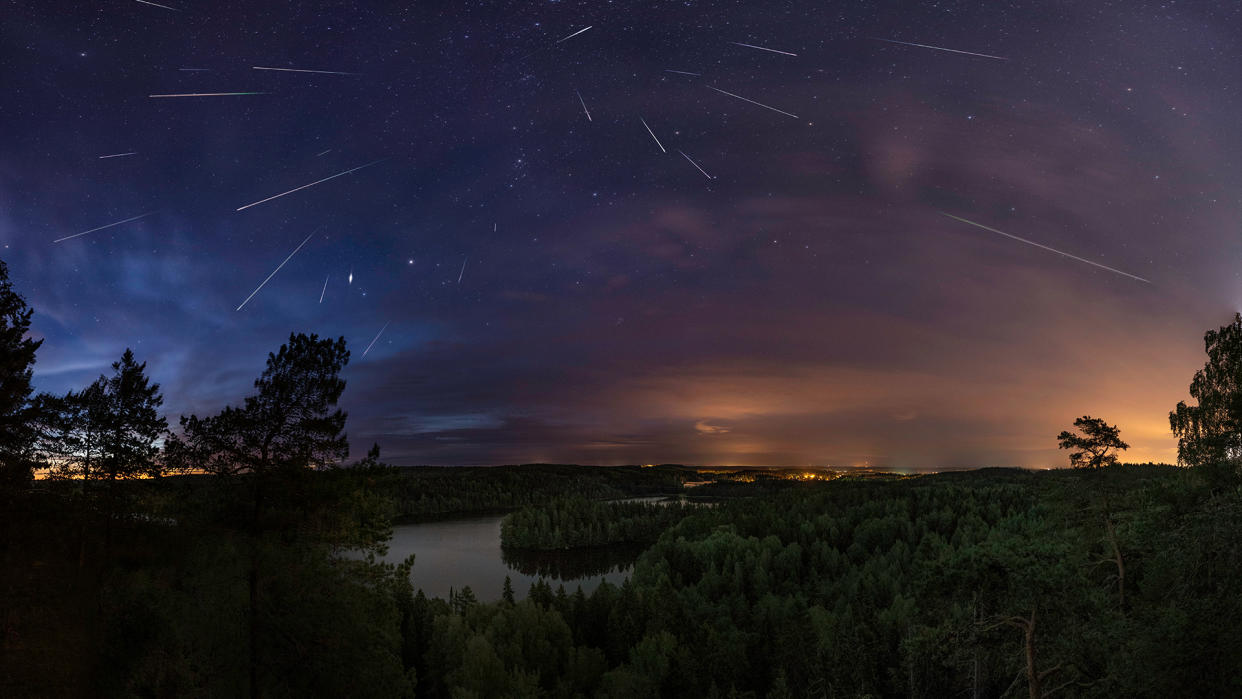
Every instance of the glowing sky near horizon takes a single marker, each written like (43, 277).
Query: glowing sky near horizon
(804, 304)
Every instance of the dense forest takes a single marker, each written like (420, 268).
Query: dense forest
(575, 522)
(241, 553)
(987, 583)
(430, 492)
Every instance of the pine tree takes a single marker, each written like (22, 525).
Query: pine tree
(289, 426)
(17, 357)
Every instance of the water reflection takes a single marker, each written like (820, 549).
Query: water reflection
(460, 552)
(573, 564)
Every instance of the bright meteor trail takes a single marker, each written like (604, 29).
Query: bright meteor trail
(574, 34)
(584, 109)
(118, 155)
(75, 235)
(377, 337)
(753, 102)
(312, 184)
(156, 4)
(209, 94)
(696, 165)
(653, 136)
(303, 70)
(761, 48)
(282, 264)
(941, 48)
(1045, 247)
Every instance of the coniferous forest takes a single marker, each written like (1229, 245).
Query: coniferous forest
(241, 554)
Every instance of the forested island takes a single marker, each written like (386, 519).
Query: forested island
(576, 522)
(240, 554)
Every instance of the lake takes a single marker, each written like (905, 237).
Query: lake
(459, 552)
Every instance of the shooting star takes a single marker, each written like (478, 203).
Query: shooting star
(156, 4)
(304, 70)
(312, 184)
(1045, 247)
(584, 109)
(323, 153)
(351, 275)
(75, 235)
(325, 287)
(282, 264)
(377, 337)
(753, 102)
(210, 94)
(682, 72)
(463, 269)
(941, 48)
(574, 34)
(761, 48)
(696, 165)
(653, 136)
(118, 155)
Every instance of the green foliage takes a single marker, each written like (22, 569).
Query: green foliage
(576, 522)
(1094, 445)
(985, 582)
(1209, 435)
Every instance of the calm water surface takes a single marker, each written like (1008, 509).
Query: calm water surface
(460, 552)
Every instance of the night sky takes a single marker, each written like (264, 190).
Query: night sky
(808, 304)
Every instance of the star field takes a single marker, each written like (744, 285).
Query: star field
(532, 245)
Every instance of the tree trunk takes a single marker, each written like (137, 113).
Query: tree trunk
(255, 530)
(1121, 564)
(1032, 674)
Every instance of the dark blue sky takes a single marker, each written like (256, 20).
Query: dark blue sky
(807, 305)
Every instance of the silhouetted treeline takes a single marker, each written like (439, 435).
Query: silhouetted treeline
(430, 492)
(575, 522)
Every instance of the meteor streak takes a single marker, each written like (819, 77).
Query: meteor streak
(653, 136)
(325, 288)
(752, 102)
(941, 48)
(463, 269)
(761, 48)
(323, 153)
(696, 165)
(156, 4)
(210, 94)
(682, 72)
(118, 155)
(377, 337)
(75, 235)
(282, 264)
(584, 109)
(1045, 247)
(304, 70)
(312, 184)
(574, 34)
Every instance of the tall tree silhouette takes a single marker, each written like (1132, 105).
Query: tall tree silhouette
(1209, 435)
(1096, 445)
(289, 426)
(17, 357)
(109, 430)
